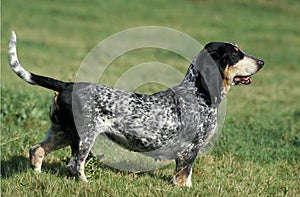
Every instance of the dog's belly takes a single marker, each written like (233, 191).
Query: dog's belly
(140, 129)
(158, 139)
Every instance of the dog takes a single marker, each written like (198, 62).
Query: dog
(172, 124)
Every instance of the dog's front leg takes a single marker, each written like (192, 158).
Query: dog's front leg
(183, 171)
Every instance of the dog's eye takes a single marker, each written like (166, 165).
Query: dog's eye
(234, 53)
(235, 50)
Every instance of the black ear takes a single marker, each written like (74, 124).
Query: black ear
(209, 80)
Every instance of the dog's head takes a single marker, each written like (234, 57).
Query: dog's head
(221, 65)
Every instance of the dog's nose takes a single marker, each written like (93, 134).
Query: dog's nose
(260, 62)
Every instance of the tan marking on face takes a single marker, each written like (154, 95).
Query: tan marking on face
(55, 100)
(226, 80)
(236, 48)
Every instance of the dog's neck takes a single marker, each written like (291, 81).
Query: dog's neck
(194, 79)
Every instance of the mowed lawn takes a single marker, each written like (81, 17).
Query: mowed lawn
(258, 151)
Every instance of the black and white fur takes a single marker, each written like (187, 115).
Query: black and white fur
(171, 124)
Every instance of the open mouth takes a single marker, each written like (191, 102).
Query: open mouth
(242, 80)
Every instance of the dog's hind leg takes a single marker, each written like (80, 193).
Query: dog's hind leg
(55, 139)
(80, 152)
(76, 163)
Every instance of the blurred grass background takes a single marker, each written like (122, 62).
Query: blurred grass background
(258, 152)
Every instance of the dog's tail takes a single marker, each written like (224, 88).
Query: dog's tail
(27, 76)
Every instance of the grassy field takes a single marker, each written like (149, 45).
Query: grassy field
(258, 152)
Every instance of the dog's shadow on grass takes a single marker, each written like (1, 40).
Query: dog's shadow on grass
(15, 165)
(21, 164)
(155, 174)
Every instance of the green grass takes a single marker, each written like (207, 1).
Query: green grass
(258, 152)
